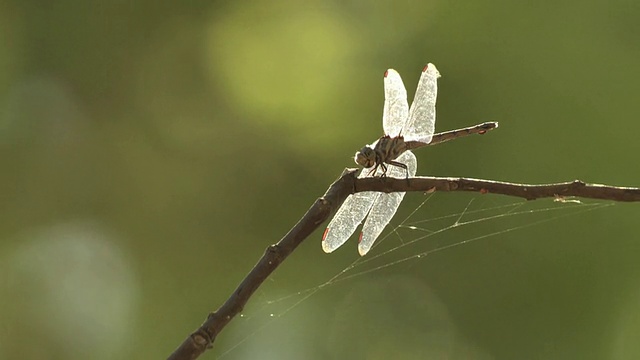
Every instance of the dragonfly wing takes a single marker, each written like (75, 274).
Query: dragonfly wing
(348, 217)
(396, 109)
(422, 115)
(386, 205)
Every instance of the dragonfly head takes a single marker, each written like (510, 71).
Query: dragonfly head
(366, 157)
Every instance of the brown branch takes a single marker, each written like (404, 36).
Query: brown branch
(319, 212)
(527, 191)
(203, 337)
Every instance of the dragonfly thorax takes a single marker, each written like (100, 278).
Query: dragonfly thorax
(385, 151)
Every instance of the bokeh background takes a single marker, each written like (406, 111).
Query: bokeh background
(151, 150)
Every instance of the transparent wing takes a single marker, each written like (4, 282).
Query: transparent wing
(422, 115)
(396, 109)
(348, 217)
(385, 205)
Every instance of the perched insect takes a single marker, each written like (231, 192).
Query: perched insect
(405, 129)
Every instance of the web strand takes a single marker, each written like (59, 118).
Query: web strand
(358, 268)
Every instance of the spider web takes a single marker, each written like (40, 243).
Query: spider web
(422, 234)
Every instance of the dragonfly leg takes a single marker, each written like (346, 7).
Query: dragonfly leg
(400, 165)
(373, 170)
(384, 169)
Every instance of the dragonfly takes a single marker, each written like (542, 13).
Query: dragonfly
(405, 129)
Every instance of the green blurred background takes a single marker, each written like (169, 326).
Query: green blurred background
(151, 150)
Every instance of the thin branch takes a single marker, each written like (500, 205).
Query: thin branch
(202, 339)
(559, 191)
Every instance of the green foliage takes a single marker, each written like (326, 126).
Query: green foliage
(185, 137)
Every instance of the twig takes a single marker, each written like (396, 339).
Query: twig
(526, 191)
(203, 337)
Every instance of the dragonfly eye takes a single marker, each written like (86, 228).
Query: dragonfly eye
(366, 157)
